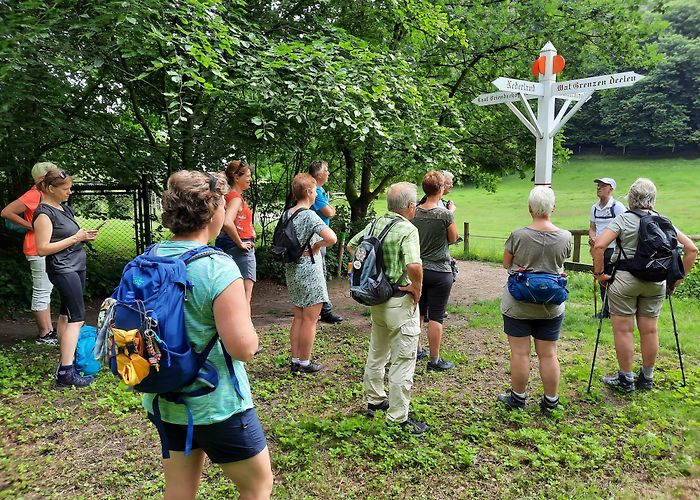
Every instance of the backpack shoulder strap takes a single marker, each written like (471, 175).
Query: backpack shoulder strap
(387, 228)
(203, 251)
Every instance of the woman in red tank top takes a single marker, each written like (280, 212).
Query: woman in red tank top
(237, 237)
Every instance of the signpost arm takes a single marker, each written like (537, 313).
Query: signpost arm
(571, 113)
(533, 118)
(525, 121)
(563, 109)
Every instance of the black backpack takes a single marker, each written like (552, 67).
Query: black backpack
(657, 257)
(286, 246)
(368, 283)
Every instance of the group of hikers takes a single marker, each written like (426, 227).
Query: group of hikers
(414, 235)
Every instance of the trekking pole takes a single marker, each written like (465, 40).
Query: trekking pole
(597, 339)
(678, 343)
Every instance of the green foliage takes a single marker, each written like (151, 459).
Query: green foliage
(320, 441)
(690, 288)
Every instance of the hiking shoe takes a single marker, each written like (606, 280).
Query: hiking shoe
(50, 338)
(371, 409)
(71, 377)
(512, 401)
(440, 365)
(620, 383)
(421, 353)
(414, 426)
(548, 407)
(312, 367)
(643, 383)
(331, 318)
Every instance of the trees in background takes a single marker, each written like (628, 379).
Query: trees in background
(381, 88)
(661, 113)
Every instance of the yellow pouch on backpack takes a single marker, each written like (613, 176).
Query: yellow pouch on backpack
(131, 364)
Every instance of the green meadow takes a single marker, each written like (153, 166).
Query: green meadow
(491, 216)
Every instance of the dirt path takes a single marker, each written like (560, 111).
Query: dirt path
(271, 304)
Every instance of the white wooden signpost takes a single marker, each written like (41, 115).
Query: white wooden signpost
(547, 123)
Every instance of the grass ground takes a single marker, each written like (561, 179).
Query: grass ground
(492, 216)
(96, 443)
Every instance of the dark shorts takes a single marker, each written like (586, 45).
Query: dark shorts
(435, 294)
(237, 438)
(540, 329)
(71, 288)
(245, 260)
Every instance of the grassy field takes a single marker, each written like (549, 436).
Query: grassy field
(492, 216)
(602, 445)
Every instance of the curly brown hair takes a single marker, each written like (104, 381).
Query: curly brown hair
(54, 177)
(432, 182)
(300, 184)
(191, 200)
(235, 168)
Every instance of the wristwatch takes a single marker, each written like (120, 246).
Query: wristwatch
(599, 274)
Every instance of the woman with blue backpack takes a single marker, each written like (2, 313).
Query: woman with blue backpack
(535, 254)
(226, 426)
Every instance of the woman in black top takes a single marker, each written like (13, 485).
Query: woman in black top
(60, 239)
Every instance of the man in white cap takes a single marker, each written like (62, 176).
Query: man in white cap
(602, 213)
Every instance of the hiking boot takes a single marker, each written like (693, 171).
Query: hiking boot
(620, 383)
(331, 318)
(71, 377)
(50, 338)
(643, 383)
(440, 365)
(312, 367)
(548, 406)
(293, 367)
(371, 409)
(414, 426)
(421, 353)
(512, 401)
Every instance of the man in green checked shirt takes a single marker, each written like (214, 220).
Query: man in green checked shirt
(395, 324)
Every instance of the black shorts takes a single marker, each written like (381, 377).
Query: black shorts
(71, 289)
(237, 438)
(435, 294)
(540, 329)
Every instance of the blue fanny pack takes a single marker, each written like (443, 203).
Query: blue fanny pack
(538, 288)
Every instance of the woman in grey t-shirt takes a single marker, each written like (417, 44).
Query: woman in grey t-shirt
(437, 230)
(540, 247)
(631, 298)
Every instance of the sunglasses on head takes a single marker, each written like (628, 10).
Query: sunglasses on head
(213, 180)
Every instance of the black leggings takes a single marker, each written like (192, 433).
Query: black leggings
(71, 288)
(435, 293)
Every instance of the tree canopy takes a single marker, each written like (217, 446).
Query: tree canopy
(123, 89)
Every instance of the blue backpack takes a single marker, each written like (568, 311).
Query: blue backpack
(368, 282)
(145, 339)
(85, 361)
(538, 288)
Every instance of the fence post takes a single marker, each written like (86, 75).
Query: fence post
(466, 239)
(577, 248)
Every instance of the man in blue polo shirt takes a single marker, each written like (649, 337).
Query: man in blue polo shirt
(319, 171)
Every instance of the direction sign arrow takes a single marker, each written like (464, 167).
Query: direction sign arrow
(498, 98)
(521, 86)
(597, 83)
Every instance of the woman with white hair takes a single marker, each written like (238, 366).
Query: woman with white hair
(630, 297)
(540, 247)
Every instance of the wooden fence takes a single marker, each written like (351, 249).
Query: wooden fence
(575, 263)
